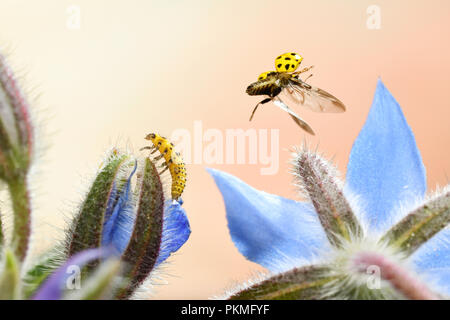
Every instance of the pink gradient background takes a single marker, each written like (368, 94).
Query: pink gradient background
(140, 66)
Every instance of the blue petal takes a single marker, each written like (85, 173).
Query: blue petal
(272, 231)
(433, 260)
(118, 224)
(385, 167)
(53, 287)
(111, 202)
(176, 230)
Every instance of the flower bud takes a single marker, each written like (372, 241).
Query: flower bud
(16, 129)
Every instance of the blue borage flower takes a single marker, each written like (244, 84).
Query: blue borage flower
(130, 217)
(385, 180)
(140, 228)
(120, 218)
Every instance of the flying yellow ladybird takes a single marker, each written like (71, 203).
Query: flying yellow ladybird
(286, 80)
(172, 162)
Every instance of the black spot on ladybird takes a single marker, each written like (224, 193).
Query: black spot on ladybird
(279, 65)
(279, 57)
(287, 58)
(286, 66)
(293, 53)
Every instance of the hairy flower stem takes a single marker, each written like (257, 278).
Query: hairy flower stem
(1, 234)
(304, 283)
(400, 278)
(21, 204)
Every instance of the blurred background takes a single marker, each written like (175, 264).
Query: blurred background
(106, 73)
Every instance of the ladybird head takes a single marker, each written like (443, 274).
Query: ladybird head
(153, 137)
(288, 62)
(264, 75)
(150, 136)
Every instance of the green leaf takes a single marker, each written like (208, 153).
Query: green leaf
(306, 283)
(142, 251)
(420, 225)
(45, 265)
(10, 277)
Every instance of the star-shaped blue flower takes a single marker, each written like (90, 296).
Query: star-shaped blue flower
(140, 229)
(385, 174)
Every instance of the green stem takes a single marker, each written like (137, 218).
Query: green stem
(2, 237)
(10, 278)
(21, 204)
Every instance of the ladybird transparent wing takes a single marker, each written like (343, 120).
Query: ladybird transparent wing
(313, 98)
(299, 121)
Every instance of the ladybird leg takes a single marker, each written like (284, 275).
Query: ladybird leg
(163, 165)
(164, 170)
(158, 157)
(306, 69)
(262, 102)
(146, 148)
(303, 70)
